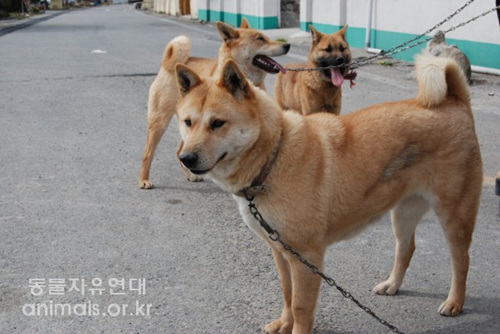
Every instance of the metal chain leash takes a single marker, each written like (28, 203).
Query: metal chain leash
(275, 236)
(394, 49)
(402, 47)
(385, 54)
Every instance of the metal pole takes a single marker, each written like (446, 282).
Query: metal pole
(369, 24)
(497, 190)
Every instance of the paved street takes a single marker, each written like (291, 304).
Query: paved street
(83, 250)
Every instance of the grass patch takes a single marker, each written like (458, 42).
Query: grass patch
(386, 63)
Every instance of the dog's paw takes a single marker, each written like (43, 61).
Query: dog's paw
(279, 327)
(145, 184)
(194, 178)
(388, 288)
(450, 308)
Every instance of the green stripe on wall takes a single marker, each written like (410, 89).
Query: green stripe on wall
(386, 40)
(304, 25)
(479, 54)
(257, 22)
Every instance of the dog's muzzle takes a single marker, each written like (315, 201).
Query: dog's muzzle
(336, 75)
(270, 65)
(190, 161)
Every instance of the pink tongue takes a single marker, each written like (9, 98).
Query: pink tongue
(337, 78)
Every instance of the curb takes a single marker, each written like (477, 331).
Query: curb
(21, 24)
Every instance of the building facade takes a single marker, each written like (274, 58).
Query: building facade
(374, 24)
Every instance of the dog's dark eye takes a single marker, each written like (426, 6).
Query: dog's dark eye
(217, 124)
(329, 48)
(341, 48)
(187, 122)
(260, 38)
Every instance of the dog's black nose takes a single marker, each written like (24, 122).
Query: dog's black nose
(189, 159)
(339, 61)
(286, 46)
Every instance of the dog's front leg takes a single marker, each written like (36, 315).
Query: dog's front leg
(305, 290)
(284, 324)
(309, 101)
(300, 290)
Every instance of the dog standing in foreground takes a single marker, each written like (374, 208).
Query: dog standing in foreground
(328, 177)
(316, 91)
(248, 47)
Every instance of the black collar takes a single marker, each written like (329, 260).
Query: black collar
(257, 186)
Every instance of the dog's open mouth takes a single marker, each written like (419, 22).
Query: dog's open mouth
(204, 171)
(339, 74)
(268, 64)
(336, 76)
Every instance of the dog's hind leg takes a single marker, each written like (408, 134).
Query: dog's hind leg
(157, 124)
(405, 217)
(457, 220)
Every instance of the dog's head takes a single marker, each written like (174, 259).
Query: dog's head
(437, 44)
(330, 50)
(252, 50)
(218, 120)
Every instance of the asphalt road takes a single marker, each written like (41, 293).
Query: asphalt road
(74, 226)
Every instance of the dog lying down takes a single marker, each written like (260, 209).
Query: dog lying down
(327, 177)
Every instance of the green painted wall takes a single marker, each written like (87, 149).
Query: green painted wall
(479, 54)
(257, 22)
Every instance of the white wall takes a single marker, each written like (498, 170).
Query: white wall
(418, 16)
(395, 21)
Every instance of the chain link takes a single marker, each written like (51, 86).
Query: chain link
(275, 236)
(402, 47)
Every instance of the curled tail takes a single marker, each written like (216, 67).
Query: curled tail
(177, 51)
(438, 79)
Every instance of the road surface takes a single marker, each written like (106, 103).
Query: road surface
(83, 250)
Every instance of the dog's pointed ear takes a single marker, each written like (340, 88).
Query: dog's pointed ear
(187, 79)
(343, 32)
(244, 23)
(316, 35)
(235, 81)
(227, 32)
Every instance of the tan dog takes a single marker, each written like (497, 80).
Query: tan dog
(328, 177)
(248, 47)
(317, 91)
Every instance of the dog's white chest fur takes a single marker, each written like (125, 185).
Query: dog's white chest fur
(249, 219)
